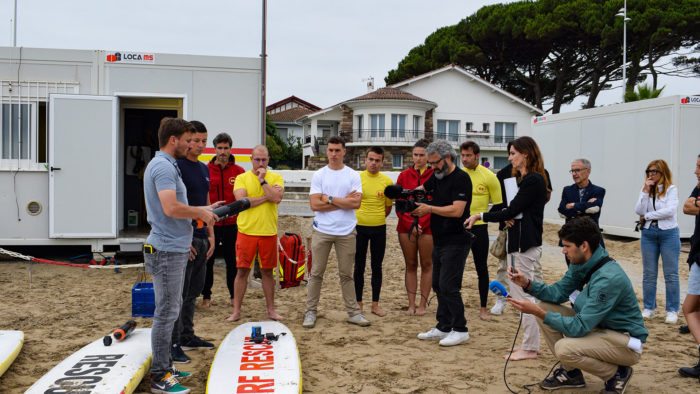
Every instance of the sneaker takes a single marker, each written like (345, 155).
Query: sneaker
(359, 319)
(618, 383)
(434, 333)
(178, 355)
(499, 306)
(563, 379)
(684, 329)
(672, 317)
(309, 319)
(179, 374)
(454, 338)
(168, 384)
(196, 343)
(648, 313)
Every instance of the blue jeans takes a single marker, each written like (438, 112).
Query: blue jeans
(168, 271)
(448, 270)
(666, 243)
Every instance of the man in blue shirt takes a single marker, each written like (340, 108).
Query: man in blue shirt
(167, 247)
(195, 175)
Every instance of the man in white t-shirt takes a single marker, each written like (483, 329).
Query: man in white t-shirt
(336, 192)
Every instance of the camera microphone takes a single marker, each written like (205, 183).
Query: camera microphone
(498, 289)
(394, 191)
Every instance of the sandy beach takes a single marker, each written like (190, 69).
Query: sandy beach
(66, 308)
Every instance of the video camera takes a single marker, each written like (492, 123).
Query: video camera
(406, 200)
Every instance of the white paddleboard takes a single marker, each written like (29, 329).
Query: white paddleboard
(10, 345)
(242, 366)
(97, 368)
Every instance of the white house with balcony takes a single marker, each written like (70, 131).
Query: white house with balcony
(449, 103)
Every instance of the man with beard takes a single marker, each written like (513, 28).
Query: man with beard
(451, 190)
(167, 247)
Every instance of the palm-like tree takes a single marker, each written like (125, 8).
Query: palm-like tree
(643, 92)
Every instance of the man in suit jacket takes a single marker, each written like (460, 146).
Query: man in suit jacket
(583, 198)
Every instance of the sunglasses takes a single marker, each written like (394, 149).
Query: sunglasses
(650, 172)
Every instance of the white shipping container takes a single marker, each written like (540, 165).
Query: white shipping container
(77, 128)
(620, 140)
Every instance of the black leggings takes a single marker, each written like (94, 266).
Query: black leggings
(375, 236)
(480, 253)
(225, 243)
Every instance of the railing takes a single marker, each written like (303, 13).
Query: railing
(395, 136)
(483, 139)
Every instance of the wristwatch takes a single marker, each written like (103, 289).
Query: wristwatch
(264, 182)
(330, 200)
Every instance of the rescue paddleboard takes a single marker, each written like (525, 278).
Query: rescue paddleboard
(243, 366)
(97, 368)
(10, 345)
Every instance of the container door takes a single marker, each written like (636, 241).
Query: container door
(82, 166)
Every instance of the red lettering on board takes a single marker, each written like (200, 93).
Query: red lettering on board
(255, 384)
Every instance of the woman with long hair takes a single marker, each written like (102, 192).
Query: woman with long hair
(417, 240)
(524, 232)
(657, 208)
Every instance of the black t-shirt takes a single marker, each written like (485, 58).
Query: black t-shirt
(195, 175)
(694, 254)
(457, 186)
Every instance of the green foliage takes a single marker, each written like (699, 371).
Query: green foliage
(550, 51)
(644, 92)
(288, 151)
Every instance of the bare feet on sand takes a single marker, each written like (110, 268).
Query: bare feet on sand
(420, 311)
(206, 303)
(522, 355)
(234, 316)
(484, 314)
(411, 311)
(377, 310)
(274, 315)
(517, 349)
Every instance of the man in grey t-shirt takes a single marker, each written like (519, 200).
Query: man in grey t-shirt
(167, 247)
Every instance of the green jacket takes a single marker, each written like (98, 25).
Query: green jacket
(606, 302)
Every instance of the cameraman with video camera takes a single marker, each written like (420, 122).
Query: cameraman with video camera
(451, 192)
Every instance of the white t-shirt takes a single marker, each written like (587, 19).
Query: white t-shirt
(335, 183)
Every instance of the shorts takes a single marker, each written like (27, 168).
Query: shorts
(250, 246)
(694, 280)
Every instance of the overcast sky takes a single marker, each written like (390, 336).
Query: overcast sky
(318, 50)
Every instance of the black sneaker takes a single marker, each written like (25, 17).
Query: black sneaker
(690, 372)
(178, 355)
(684, 329)
(618, 383)
(196, 343)
(563, 379)
(168, 384)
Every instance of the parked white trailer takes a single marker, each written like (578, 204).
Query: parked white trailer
(77, 128)
(620, 140)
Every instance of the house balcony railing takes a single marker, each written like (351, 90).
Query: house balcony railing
(485, 140)
(385, 136)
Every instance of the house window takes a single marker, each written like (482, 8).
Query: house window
(504, 132)
(282, 133)
(416, 126)
(470, 126)
(359, 161)
(448, 130)
(397, 161)
(398, 126)
(376, 125)
(358, 125)
(485, 127)
(500, 162)
(16, 128)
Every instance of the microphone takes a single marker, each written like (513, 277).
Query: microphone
(225, 211)
(396, 191)
(498, 289)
